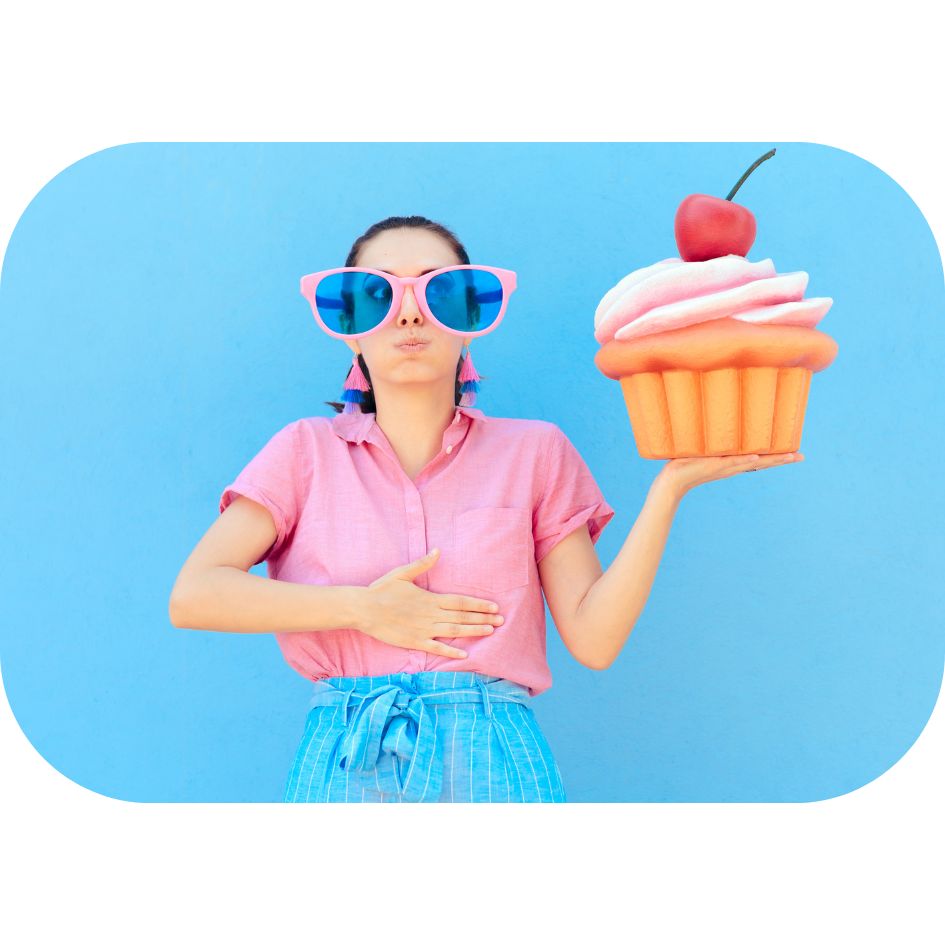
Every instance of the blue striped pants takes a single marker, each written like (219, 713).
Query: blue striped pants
(422, 737)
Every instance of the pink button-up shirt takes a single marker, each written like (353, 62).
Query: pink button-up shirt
(496, 498)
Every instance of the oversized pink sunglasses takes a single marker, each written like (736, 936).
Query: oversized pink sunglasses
(355, 301)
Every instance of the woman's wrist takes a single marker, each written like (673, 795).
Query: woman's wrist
(354, 600)
(666, 487)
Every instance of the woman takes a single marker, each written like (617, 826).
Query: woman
(409, 540)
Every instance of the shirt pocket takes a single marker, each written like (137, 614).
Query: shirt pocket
(491, 548)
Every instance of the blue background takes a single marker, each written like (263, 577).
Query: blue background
(154, 338)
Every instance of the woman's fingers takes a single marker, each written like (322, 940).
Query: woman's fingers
(752, 462)
(755, 462)
(774, 459)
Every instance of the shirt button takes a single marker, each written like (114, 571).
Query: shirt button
(449, 449)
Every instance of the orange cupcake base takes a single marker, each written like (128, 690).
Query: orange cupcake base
(728, 411)
(717, 388)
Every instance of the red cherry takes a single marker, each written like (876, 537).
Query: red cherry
(707, 227)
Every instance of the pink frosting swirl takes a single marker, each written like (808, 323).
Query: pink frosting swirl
(673, 294)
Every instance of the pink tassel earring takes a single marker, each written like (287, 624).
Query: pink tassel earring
(469, 381)
(355, 384)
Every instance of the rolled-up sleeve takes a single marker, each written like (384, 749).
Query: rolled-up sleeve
(273, 479)
(569, 498)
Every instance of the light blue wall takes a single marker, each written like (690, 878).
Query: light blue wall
(154, 337)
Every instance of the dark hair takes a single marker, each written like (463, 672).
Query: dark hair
(368, 405)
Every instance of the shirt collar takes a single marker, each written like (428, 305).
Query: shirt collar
(354, 427)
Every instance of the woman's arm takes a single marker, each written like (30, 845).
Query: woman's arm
(215, 591)
(609, 610)
(229, 599)
(595, 610)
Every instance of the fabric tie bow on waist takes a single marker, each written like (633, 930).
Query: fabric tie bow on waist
(392, 731)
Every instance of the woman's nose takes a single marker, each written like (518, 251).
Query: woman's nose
(408, 305)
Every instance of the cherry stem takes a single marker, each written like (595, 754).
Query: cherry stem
(741, 180)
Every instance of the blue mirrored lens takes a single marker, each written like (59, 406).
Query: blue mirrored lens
(353, 302)
(465, 299)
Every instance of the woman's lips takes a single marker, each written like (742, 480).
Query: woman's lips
(414, 347)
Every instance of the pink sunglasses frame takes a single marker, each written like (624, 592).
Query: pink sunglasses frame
(506, 277)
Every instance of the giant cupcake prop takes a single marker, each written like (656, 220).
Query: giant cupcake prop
(714, 354)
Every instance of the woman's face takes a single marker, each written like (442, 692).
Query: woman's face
(408, 252)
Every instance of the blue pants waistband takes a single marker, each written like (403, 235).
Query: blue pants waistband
(432, 686)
